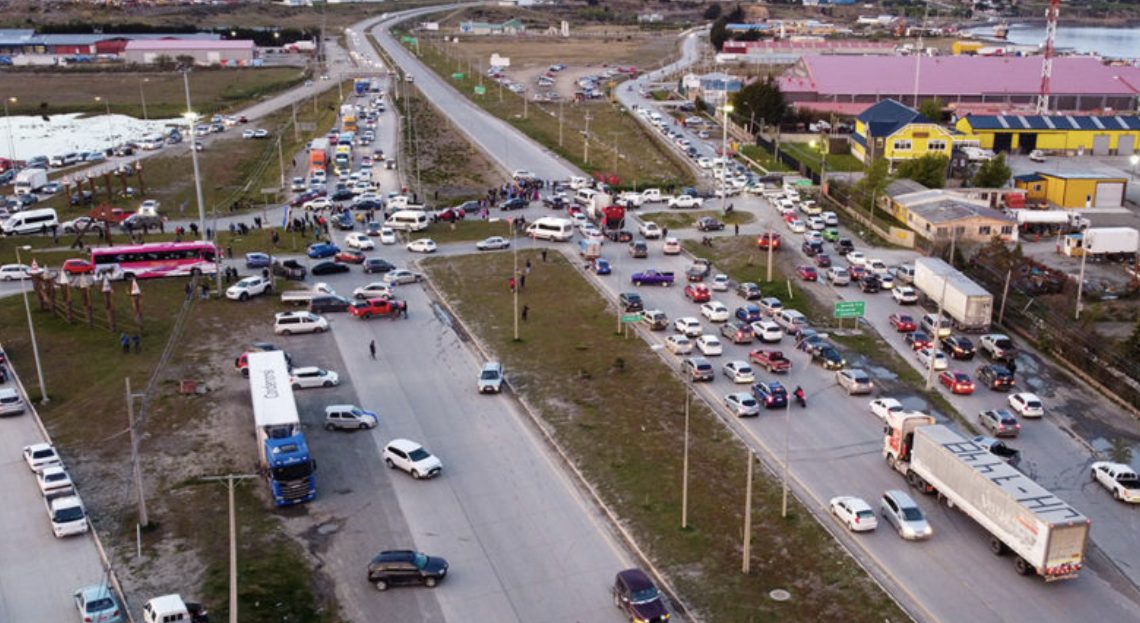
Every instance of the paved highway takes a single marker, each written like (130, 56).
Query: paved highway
(835, 449)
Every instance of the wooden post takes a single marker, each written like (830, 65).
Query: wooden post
(136, 303)
(85, 285)
(108, 303)
(139, 172)
(107, 181)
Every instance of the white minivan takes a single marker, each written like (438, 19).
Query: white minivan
(585, 196)
(30, 222)
(550, 228)
(407, 220)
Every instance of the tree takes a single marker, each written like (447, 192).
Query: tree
(929, 170)
(712, 12)
(718, 34)
(994, 173)
(874, 182)
(760, 101)
(932, 109)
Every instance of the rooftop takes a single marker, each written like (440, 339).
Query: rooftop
(949, 209)
(955, 75)
(886, 117)
(1080, 175)
(1053, 122)
(189, 44)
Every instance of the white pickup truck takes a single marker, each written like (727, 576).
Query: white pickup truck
(302, 297)
(249, 287)
(685, 202)
(652, 195)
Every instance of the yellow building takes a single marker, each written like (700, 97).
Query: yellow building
(1073, 190)
(1097, 135)
(896, 132)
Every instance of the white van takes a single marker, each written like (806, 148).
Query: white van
(171, 609)
(408, 220)
(791, 320)
(152, 142)
(585, 196)
(30, 222)
(550, 228)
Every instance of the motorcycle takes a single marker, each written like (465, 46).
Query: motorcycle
(802, 399)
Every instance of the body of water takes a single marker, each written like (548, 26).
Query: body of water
(1106, 42)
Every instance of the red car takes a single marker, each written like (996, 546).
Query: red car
(350, 256)
(698, 293)
(903, 323)
(807, 273)
(958, 382)
(822, 260)
(763, 240)
(78, 267)
(919, 340)
(857, 272)
(450, 215)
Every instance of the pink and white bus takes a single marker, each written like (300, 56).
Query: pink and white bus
(157, 259)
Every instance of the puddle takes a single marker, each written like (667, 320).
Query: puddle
(879, 373)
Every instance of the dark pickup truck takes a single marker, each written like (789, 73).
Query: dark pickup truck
(652, 278)
(999, 449)
(699, 270)
(771, 360)
(289, 269)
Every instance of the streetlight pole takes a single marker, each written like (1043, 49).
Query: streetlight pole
(32, 328)
(586, 147)
(142, 96)
(110, 132)
(935, 339)
(685, 469)
(787, 434)
(727, 108)
(12, 144)
(1085, 240)
(190, 118)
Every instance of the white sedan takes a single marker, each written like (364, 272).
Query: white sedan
(387, 235)
(320, 203)
(797, 226)
(688, 326)
(678, 345)
(494, 242)
(815, 223)
(400, 275)
(925, 355)
(423, 245)
(709, 345)
(53, 478)
(742, 404)
(1026, 405)
(9, 272)
(857, 258)
(739, 371)
(357, 240)
(854, 513)
(715, 311)
(312, 376)
(883, 407)
(372, 291)
(719, 283)
(905, 295)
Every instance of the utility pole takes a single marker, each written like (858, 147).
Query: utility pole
(136, 470)
(746, 564)
(787, 434)
(771, 243)
(586, 147)
(515, 275)
(1004, 296)
(685, 469)
(230, 481)
(560, 123)
(936, 341)
(296, 129)
(1085, 244)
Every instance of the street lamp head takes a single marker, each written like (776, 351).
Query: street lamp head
(728, 108)
(13, 99)
(190, 115)
(26, 247)
(813, 144)
(1134, 159)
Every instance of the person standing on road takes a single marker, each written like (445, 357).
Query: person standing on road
(372, 349)
(404, 309)
(664, 232)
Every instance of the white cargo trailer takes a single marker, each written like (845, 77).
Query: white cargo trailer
(967, 303)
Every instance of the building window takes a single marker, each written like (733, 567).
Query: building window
(902, 145)
(941, 232)
(1007, 229)
(984, 230)
(936, 146)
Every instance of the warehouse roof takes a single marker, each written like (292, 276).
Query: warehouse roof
(949, 210)
(189, 44)
(903, 186)
(1080, 175)
(19, 37)
(955, 75)
(1053, 122)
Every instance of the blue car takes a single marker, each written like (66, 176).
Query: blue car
(257, 259)
(748, 313)
(771, 395)
(601, 266)
(98, 604)
(320, 250)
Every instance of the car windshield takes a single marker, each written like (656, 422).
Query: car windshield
(911, 513)
(101, 604)
(1033, 404)
(644, 595)
(418, 454)
(489, 375)
(293, 472)
(73, 513)
(421, 560)
(748, 402)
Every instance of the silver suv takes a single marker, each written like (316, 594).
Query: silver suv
(698, 369)
(491, 378)
(901, 512)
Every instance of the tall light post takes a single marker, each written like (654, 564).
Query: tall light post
(32, 327)
(191, 118)
(935, 340)
(110, 133)
(8, 122)
(142, 97)
(727, 108)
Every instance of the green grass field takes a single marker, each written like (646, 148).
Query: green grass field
(810, 157)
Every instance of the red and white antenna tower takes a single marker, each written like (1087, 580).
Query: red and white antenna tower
(1051, 14)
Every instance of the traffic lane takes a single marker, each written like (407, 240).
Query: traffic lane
(1051, 455)
(842, 456)
(40, 572)
(522, 544)
(356, 513)
(499, 140)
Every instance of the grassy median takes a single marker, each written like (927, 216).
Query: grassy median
(618, 411)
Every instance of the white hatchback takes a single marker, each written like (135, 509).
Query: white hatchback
(688, 326)
(709, 345)
(854, 513)
(678, 345)
(715, 311)
(358, 240)
(1026, 405)
(312, 376)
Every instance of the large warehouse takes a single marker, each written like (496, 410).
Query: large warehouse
(1098, 135)
(225, 52)
(1079, 83)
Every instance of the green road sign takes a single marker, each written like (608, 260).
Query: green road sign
(406, 39)
(849, 309)
(456, 76)
(480, 89)
(630, 317)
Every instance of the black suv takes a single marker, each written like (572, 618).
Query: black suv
(638, 598)
(708, 223)
(958, 347)
(811, 248)
(631, 302)
(518, 203)
(870, 284)
(844, 246)
(405, 566)
(995, 377)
